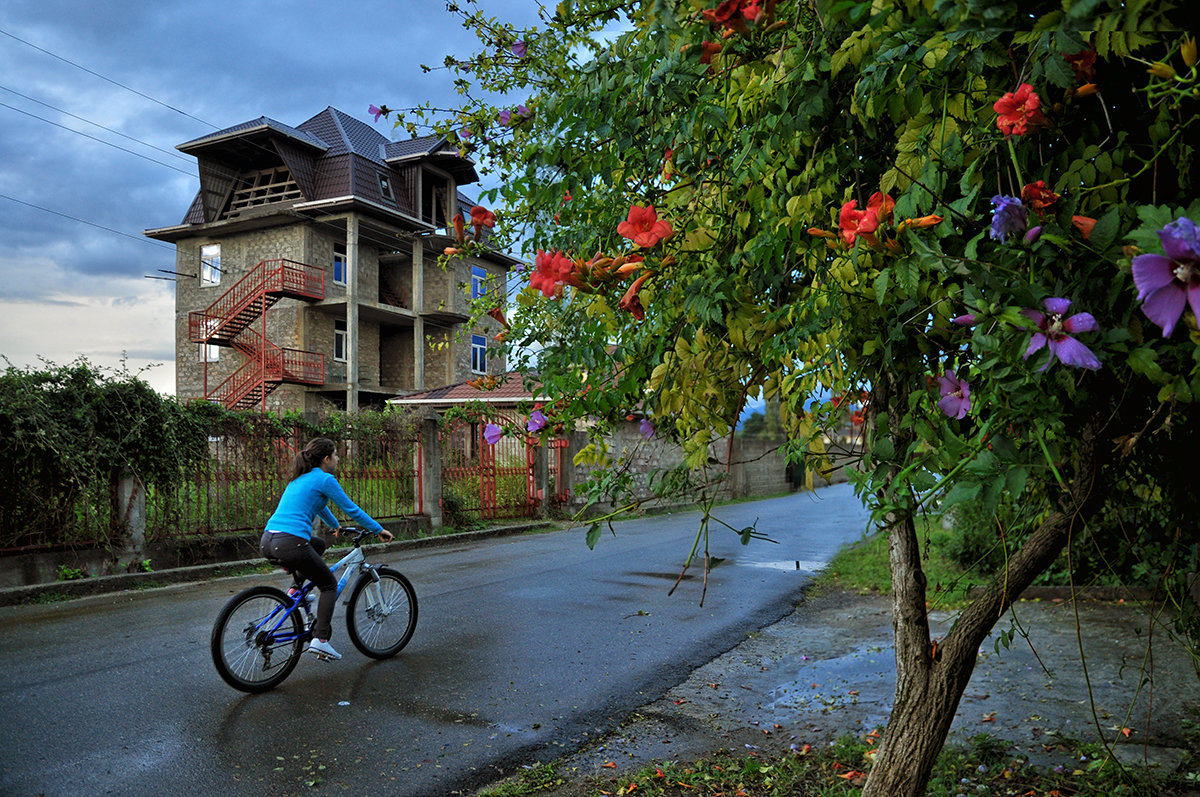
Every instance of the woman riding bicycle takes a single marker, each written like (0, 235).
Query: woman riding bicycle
(289, 541)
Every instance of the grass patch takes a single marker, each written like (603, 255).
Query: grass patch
(863, 567)
(52, 597)
(534, 779)
(983, 765)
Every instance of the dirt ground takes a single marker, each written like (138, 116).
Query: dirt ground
(828, 670)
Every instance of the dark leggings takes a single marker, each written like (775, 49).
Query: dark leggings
(304, 557)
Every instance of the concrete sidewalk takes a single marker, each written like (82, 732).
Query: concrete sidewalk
(83, 587)
(828, 670)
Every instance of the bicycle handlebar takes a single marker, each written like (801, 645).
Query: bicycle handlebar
(359, 534)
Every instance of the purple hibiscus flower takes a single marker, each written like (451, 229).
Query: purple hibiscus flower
(519, 49)
(492, 434)
(646, 428)
(1053, 331)
(956, 395)
(1166, 282)
(505, 117)
(537, 421)
(376, 111)
(1009, 218)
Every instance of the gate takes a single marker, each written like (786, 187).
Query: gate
(487, 481)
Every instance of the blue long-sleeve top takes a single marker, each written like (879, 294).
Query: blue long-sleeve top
(307, 497)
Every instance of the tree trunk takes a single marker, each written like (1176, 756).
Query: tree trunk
(931, 677)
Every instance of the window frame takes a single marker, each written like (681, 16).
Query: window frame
(208, 353)
(385, 186)
(479, 278)
(210, 267)
(344, 262)
(479, 354)
(341, 339)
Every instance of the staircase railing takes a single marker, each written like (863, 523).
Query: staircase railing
(226, 322)
(252, 295)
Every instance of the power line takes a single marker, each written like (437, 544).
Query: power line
(97, 124)
(108, 79)
(143, 239)
(94, 138)
(330, 224)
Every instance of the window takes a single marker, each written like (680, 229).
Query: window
(209, 353)
(210, 264)
(341, 341)
(435, 190)
(478, 281)
(339, 264)
(385, 186)
(478, 354)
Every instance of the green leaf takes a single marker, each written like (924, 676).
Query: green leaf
(1015, 481)
(593, 535)
(960, 492)
(1105, 231)
(881, 285)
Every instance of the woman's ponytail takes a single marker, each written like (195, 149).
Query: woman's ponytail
(312, 455)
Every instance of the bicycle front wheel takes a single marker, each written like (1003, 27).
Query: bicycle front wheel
(254, 645)
(382, 615)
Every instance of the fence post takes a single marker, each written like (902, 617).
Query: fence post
(129, 520)
(431, 471)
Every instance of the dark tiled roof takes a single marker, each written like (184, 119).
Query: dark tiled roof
(395, 150)
(330, 156)
(261, 123)
(346, 135)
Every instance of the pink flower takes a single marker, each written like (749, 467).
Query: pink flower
(482, 217)
(377, 111)
(1053, 329)
(1166, 282)
(855, 223)
(643, 227)
(965, 320)
(1019, 112)
(492, 434)
(536, 421)
(956, 395)
(551, 271)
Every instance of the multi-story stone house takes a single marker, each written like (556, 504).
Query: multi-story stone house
(307, 268)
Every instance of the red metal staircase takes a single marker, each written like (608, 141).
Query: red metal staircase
(227, 322)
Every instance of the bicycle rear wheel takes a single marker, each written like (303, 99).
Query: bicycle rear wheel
(245, 650)
(382, 622)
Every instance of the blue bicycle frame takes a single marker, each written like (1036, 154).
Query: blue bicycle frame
(353, 562)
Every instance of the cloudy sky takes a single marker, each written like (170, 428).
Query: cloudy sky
(95, 96)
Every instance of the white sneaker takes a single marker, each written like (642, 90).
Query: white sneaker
(323, 649)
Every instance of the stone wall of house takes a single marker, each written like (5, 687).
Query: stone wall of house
(385, 355)
(396, 360)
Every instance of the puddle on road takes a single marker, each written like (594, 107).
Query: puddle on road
(812, 566)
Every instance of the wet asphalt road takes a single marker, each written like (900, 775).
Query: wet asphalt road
(527, 648)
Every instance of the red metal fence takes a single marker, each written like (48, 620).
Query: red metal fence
(238, 485)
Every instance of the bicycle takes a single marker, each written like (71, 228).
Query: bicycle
(259, 636)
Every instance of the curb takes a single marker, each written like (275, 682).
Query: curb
(104, 585)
